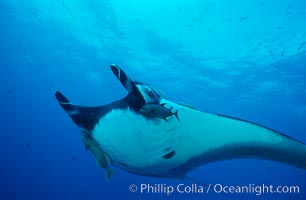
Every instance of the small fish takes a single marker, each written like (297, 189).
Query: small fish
(301, 46)
(158, 111)
(261, 3)
(272, 54)
(73, 158)
(244, 18)
(276, 66)
(290, 5)
(282, 53)
(102, 159)
(8, 91)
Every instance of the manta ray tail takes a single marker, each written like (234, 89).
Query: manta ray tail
(82, 116)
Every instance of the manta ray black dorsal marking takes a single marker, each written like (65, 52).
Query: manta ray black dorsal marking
(87, 117)
(82, 116)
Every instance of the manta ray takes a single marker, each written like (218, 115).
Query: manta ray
(146, 134)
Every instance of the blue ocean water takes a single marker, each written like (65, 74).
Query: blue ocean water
(241, 58)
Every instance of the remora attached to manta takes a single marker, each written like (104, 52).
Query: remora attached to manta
(146, 134)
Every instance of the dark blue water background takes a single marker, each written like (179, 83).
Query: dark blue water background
(240, 58)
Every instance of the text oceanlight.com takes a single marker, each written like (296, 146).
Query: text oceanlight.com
(213, 188)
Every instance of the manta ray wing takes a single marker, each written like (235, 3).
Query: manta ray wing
(142, 142)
